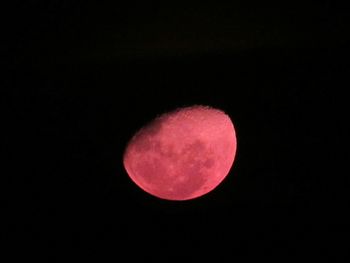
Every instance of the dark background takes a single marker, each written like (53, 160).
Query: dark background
(84, 77)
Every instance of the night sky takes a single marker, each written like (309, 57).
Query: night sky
(84, 77)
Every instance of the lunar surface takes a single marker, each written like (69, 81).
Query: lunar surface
(182, 154)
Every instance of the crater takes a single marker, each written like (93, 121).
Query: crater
(208, 163)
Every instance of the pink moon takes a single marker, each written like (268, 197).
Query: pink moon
(183, 154)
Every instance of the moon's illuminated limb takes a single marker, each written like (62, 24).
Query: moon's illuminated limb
(183, 154)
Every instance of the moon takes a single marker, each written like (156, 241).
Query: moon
(183, 154)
